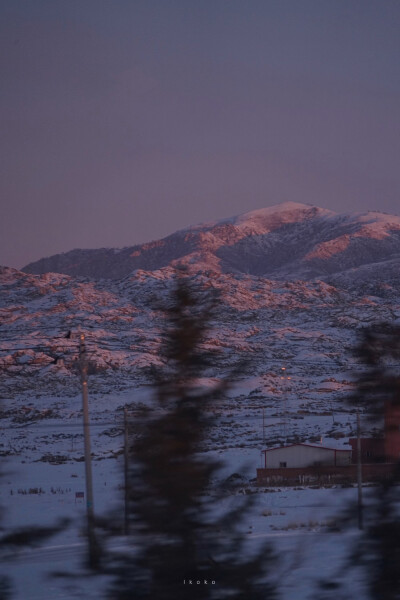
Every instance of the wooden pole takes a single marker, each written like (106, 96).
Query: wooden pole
(359, 473)
(263, 426)
(126, 472)
(93, 547)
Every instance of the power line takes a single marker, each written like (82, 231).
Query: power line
(101, 345)
(137, 418)
(37, 425)
(328, 365)
(70, 348)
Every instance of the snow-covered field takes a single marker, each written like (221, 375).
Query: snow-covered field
(296, 521)
(44, 470)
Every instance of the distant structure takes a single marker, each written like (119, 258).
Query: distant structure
(392, 432)
(303, 463)
(383, 449)
(299, 456)
(310, 463)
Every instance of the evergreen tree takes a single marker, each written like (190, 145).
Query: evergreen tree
(175, 539)
(377, 549)
(378, 387)
(378, 384)
(23, 537)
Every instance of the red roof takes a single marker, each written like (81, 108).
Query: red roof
(310, 446)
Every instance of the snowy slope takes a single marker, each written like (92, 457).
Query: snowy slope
(291, 267)
(287, 241)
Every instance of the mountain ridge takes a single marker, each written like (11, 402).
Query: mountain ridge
(293, 266)
(286, 241)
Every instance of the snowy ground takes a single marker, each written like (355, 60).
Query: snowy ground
(45, 454)
(296, 522)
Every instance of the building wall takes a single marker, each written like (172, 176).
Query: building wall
(299, 456)
(372, 450)
(392, 431)
(386, 448)
(324, 474)
(343, 457)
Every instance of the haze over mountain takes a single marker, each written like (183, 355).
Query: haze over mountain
(287, 241)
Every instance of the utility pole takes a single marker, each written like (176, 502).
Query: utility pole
(94, 555)
(126, 472)
(359, 473)
(263, 419)
(284, 391)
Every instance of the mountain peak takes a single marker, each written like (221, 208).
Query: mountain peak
(286, 212)
(282, 211)
(285, 207)
(285, 241)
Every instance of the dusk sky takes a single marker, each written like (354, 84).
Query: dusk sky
(125, 120)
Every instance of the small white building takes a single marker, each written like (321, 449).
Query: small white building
(298, 456)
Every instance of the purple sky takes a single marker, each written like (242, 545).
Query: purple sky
(125, 120)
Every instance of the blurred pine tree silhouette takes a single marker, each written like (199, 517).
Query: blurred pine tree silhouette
(377, 391)
(174, 537)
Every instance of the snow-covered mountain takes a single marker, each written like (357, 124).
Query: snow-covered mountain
(286, 272)
(295, 283)
(287, 241)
